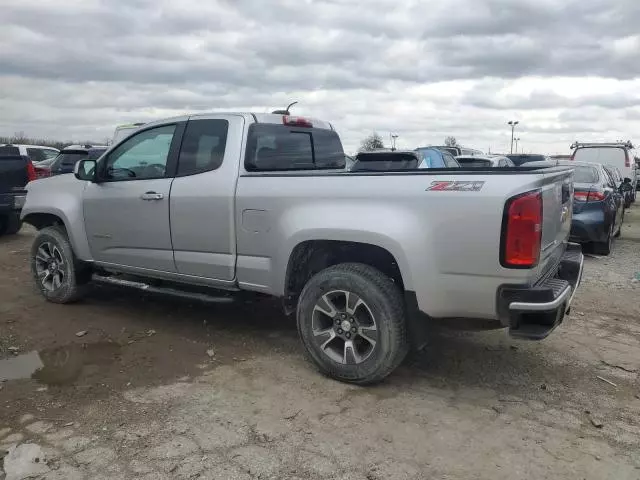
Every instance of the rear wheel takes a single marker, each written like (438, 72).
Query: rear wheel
(59, 276)
(351, 320)
(604, 248)
(619, 232)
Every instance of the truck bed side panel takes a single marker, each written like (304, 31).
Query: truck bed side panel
(446, 243)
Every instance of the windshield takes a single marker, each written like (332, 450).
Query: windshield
(432, 157)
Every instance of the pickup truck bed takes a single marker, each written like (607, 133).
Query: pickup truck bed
(15, 172)
(361, 257)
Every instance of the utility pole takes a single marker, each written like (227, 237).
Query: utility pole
(393, 136)
(513, 127)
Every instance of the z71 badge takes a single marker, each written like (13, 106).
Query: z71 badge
(455, 186)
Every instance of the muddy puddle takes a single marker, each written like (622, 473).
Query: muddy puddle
(59, 365)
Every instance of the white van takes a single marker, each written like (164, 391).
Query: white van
(614, 154)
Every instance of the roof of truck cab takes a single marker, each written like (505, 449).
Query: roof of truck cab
(270, 118)
(28, 146)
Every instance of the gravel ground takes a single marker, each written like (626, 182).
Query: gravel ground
(134, 386)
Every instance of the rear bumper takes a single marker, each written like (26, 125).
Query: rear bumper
(534, 312)
(11, 202)
(589, 226)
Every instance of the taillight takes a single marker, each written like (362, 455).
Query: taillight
(42, 172)
(31, 171)
(522, 231)
(588, 196)
(296, 121)
(627, 160)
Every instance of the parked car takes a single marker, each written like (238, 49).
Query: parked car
(387, 161)
(436, 158)
(36, 153)
(484, 161)
(16, 170)
(617, 154)
(68, 157)
(213, 203)
(520, 159)
(598, 207)
(457, 151)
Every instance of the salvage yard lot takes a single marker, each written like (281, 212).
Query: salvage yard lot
(152, 387)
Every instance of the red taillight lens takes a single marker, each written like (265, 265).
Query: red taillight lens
(42, 172)
(588, 196)
(627, 160)
(296, 121)
(522, 231)
(31, 171)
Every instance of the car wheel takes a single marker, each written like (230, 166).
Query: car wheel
(351, 320)
(59, 276)
(604, 248)
(10, 224)
(619, 232)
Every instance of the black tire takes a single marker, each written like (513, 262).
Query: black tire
(604, 248)
(363, 362)
(52, 252)
(619, 232)
(10, 225)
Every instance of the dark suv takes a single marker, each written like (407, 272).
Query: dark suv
(68, 157)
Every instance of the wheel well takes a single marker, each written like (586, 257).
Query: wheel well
(310, 257)
(42, 220)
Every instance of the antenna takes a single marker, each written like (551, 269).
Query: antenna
(286, 111)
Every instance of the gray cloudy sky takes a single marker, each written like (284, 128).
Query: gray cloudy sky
(73, 69)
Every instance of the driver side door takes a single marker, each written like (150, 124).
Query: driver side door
(126, 210)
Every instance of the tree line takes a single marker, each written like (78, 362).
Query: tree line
(374, 142)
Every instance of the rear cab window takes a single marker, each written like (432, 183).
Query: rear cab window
(272, 147)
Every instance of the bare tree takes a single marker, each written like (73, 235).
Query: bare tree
(451, 141)
(372, 142)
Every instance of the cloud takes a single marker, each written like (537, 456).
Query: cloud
(76, 68)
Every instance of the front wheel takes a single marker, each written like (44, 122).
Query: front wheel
(351, 320)
(59, 276)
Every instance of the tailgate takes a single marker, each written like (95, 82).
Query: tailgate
(13, 170)
(557, 202)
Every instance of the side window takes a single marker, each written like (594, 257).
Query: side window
(203, 146)
(141, 157)
(48, 153)
(36, 154)
(449, 161)
(274, 147)
(609, 179)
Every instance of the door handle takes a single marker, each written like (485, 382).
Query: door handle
(151, 196)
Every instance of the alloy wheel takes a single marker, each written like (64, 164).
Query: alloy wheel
(344, 327)
(50, 266)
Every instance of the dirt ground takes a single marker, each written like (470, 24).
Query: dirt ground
(163, 388)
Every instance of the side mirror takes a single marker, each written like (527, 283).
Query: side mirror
(85, 170)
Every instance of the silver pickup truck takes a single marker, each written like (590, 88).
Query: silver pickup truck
(203, 204)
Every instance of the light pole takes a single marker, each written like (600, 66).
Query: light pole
(513, 127)
(516, 140)
(393, 136)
